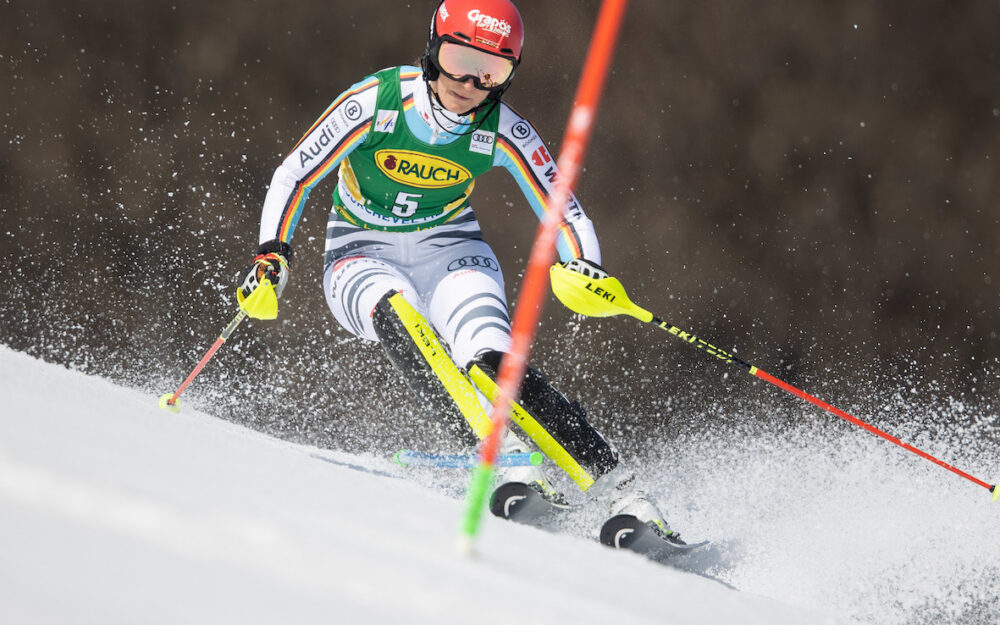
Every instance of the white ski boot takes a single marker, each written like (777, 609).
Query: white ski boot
(531, 475)
(617, 490)
(637, 504)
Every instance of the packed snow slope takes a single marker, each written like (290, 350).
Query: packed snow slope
(115, 511)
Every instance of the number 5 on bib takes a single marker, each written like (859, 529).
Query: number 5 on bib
(406, 204)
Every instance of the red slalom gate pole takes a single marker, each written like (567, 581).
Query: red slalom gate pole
(533, 290)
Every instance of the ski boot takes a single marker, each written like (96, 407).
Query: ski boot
(637, 504)
(531, 475)
(524, 494)
(616, 490)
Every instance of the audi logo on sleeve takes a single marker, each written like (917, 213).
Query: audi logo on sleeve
(471, 262)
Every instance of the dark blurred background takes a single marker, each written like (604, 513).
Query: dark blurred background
(810, 183)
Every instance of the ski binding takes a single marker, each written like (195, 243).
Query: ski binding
(520, 502)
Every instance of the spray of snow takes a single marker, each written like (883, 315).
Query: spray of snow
(114, 509)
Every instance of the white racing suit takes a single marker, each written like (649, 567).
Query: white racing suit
(449, 274)
(448, 271)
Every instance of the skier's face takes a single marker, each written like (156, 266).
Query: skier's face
(458, 97)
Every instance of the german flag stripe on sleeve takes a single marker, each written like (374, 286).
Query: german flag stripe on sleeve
(293, 208)
(538, 190)
(361, 88)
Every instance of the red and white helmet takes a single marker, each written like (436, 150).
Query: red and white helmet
(493, 27)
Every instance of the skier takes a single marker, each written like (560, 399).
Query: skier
(403, 244)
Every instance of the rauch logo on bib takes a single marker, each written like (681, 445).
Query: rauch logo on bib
(420, 170)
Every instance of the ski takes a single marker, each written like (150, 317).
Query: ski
(521, 503)
(625, 531)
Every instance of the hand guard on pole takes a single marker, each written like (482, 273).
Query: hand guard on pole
(263, 281)
(576, 282)
(587, 268)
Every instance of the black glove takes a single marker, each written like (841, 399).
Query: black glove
(587, 268)
(271, 262)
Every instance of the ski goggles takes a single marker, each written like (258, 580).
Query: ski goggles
(460, 63)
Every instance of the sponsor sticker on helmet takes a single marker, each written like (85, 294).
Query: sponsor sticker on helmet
(420, 170)
(490, 23)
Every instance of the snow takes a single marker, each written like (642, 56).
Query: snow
(115, 511)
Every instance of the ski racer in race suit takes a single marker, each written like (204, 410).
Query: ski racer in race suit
(408, 144)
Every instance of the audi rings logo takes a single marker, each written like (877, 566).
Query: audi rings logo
(472, 262)
(482, 142)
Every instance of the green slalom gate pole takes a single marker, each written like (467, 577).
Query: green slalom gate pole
(606, 297)
(534, 286)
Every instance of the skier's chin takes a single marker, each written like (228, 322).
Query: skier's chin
(456, 98)
(458, 104)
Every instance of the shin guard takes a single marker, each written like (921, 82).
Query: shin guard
(574, 444)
